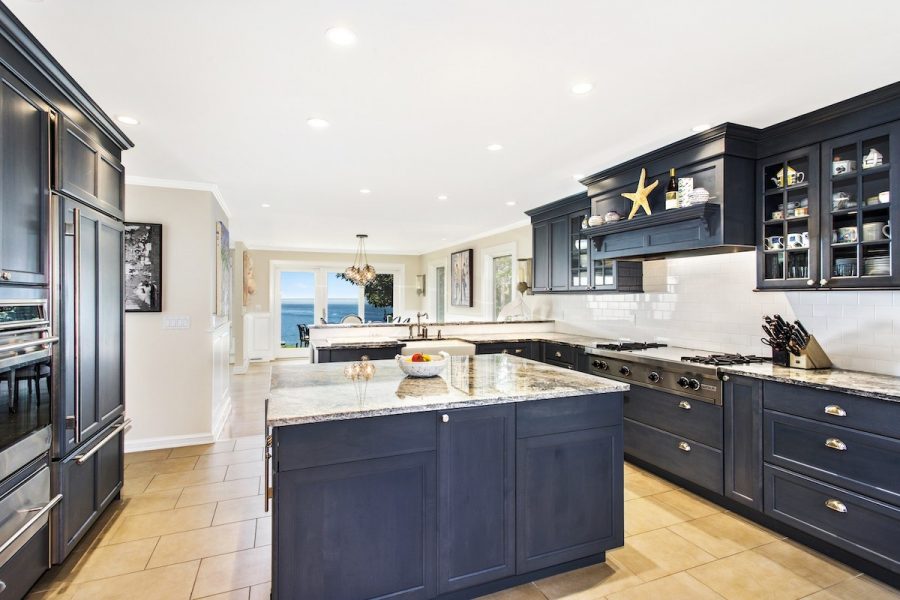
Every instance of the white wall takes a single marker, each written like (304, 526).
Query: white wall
(708, 303)
(176, 380)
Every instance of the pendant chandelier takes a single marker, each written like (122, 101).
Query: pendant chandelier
(361, 272)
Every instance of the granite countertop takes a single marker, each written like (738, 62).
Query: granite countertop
(322, 392)
(425, 323)
(859, 383)
(577, 341)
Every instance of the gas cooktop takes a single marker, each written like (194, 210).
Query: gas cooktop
(725, 359)
(627, 346)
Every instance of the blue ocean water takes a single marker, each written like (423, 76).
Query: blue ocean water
(303, 312)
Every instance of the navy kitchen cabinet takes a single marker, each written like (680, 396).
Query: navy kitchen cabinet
(743, 413)
(522, 349)
(87, 171)
(476, 506)
(351, 354)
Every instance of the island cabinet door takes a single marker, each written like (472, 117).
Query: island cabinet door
(569, 496)
(476, 496)
(361, 529)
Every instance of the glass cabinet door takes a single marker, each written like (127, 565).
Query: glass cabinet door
(860, 183)
(579, 252)
(788, 241)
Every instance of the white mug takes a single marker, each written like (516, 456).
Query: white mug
(774, 242)
(877, 230)
(795, 240)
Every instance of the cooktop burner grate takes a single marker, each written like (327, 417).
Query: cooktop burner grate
(630, 346)
(726, 359)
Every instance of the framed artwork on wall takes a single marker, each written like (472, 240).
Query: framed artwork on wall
(461, 278)
(143, 267)
(223, 271)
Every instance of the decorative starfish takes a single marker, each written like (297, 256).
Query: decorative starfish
(639, 197)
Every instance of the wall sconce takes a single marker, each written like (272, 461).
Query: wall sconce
(420, 285)
(524, 268)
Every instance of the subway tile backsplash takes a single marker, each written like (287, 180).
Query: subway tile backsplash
(708, 303)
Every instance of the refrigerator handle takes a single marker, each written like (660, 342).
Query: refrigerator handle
(73, 230)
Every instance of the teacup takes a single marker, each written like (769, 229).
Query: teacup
(777, 215)
(884, 197)
(843, 235)
(774, 242)
(839, 167)
(876, 230)
(798, 240)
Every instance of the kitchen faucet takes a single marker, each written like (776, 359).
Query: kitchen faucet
(419, 330)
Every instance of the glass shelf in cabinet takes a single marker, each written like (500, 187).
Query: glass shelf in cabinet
(844, 176)
(876, 169)
(845, 211)
(843, 244)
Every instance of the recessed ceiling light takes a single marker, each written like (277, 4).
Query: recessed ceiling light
(341, 36)
(264, 205)
(578, 176)
(317, 123)
(442, 197)
(511, 203)
(365, 191)
(700, 127)
(582, 88)
(495, 147)
(127, 120)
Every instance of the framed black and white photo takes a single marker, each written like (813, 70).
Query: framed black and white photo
(143, 267)
(461, 278)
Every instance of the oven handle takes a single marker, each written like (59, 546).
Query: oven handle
(29, 344)
(81, 458)
(35, 325)
(40, 512)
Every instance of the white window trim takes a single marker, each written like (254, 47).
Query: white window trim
(431, 286)
(487, 275)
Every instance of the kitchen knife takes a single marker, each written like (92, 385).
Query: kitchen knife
(803, 332)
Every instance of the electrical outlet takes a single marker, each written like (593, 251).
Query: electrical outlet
(176, 322)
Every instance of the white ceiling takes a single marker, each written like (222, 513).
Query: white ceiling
(223, 89)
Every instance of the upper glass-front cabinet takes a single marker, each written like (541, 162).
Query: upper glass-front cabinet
(579, 252)
(826, 214)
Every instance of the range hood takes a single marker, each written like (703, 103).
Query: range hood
(721, 160)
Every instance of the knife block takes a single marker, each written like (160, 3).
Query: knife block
(811, 357)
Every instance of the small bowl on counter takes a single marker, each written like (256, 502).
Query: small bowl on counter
(426, 368)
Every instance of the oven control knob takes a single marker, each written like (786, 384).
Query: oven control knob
(600, 364)
(694, 384)
(683, 382)
(625, 371)
(654, 377)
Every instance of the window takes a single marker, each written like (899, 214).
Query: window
(298, 291)
(378, 299)
(440, 292)
(502, 282)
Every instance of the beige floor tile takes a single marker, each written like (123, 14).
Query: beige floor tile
(203, 449)
(135, 527)
(648, 513)
(152, 502)
(109, 561)
(589, 583)
(723, 534)
(132, 458)
(229, 458)
(659, 553)
(134, 486)
(858, 588)
(639, 484)
(263, 591)
(201, 543)
(243, 594)
(690, 504)
(263, 532)
(233, 571)
(523, 592)
(250, 441)
(169, 481)
(215, 492)
(172, 583)
(822, 571)
(156, 467)
(751, 576)
(244, 470)
(679, 586)
(239, 509)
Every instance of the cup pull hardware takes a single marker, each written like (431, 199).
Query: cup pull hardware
(835, 444)
(445, 418)
(836, 505)
(685, 405)
(835, 411)
(558, 354)
(684, 446)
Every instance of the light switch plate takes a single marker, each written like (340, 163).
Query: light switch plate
(176, 322)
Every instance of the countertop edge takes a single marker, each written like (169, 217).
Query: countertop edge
(829, 387)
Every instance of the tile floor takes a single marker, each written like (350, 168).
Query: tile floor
(191, 525)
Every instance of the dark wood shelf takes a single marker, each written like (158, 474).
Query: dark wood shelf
(790, 188)
(705, 211)
(882, 168)
(876, 207)
(849, 175)
(844, 212)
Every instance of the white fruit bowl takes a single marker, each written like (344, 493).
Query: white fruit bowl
(431, 368)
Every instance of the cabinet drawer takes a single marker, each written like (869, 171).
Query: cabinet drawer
(683, 457)
(859, 461)
(560, 353)
(858, 412)
(356, 354)
(542, 417)
(522, 349)
(868, 528)
(694, 419)
(26, 566)
(332, 442)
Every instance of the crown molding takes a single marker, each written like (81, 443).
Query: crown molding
(178, 184)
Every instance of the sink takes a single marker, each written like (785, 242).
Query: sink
(451, 347)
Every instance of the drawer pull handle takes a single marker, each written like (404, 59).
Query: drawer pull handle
(835, 444)
(836, 505)
(684, 446)
(504, 351)
(445, 418)
(835, 411)
(558, 354)
(685, 405)
(267, 461)
(518, 351)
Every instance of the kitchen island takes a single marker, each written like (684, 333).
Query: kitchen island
(500, 471)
